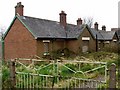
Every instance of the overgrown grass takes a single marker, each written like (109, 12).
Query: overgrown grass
(66, 53)
(100, 56)
(62, 71)
(5, 76)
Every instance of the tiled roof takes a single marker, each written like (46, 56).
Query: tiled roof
(117, 30)
(103, 35)
(42, 28)
(74, 31)
(107, 35)
(96, 32)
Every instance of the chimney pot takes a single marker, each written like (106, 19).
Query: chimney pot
(19, 3)
(96, 26)
(19, 9)
(79, 21)
(63, 19)
(104, 27)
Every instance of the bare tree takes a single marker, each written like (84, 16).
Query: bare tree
(88, 21)
(2, 31)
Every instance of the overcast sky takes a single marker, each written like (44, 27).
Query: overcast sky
(105, 12)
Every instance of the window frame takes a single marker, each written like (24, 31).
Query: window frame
(46, 47)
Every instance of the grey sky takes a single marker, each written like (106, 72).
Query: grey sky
(105, 12)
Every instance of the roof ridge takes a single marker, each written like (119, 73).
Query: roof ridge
(39, 18)
(46, 20)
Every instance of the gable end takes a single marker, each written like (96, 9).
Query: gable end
(17, 17)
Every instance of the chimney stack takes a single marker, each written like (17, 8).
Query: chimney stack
(104, 27)
(96, 26)
(63, 19)
(19, 9)
(79, 21)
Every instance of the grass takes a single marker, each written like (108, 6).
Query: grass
(63, 71)
(5, 76)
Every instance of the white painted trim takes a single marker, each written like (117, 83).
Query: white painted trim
(99, 41)
(46, 53)
(35, 37)
(114, 40)
(85, 38)
(107, 42)
(46, 40)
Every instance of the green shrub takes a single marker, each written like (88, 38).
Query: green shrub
(111, 48)
(62, 52)
(5, 76)
(56, 54)
(86, 67)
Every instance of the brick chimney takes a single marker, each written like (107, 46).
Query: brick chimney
(104, 27)
(63, 19)
(96, 26)
(79, 21)
(19, 9)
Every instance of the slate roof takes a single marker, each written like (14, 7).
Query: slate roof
(107, 35)
(74, 31)
(96, 32)
(118, 33)
(117, 30)
(43, 28)
(103, 35)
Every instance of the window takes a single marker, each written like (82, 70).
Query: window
(107, 42)
(86, 38)
(46, 47)
(114, 40)
(99, 42)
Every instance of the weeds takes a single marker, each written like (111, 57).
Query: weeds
(61, 73)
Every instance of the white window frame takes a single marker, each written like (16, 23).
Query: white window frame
(86, 38)
(99, 42)
(107, 42)
(114, 40)
(46, 41)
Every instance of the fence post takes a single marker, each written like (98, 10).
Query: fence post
(112, 77)
(12, 73)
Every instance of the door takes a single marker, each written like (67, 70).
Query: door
(85, 46)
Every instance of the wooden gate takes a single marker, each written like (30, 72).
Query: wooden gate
(59, 74)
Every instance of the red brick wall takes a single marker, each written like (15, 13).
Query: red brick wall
(19, 42)
(40, 48)
(53, 46)
(58, 44)
(76, 45)
(92, 41)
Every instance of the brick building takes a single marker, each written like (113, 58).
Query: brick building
(29, 36)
